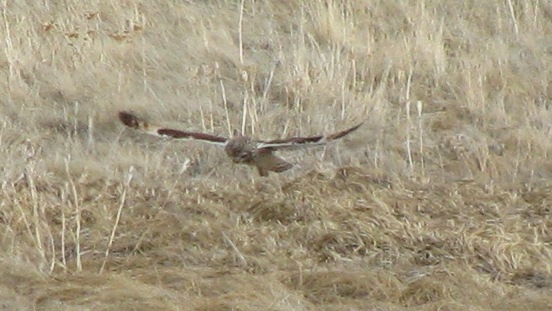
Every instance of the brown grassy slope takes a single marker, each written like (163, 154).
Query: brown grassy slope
(440, 202)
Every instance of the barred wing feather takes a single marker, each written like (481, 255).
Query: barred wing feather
(135, 122)
(294, 143)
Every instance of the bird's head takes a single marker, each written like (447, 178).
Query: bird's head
(243, 157)
(240, 149)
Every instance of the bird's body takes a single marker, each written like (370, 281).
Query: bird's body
(241, 148)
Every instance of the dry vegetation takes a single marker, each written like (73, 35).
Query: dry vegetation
(441, 201)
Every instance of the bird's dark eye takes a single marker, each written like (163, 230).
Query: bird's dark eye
(244, 156)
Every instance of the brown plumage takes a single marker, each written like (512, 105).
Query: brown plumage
(240, 148)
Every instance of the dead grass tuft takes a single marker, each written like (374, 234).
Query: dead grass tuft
(338, 286)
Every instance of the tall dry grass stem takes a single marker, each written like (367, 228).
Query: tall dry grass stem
(419, 109)
(408, 121)
(225, 103)
(513, 17)
(9, 49)
(126, 186)
(30, 174)
(240, 30)
(241, 258)
(72, 188)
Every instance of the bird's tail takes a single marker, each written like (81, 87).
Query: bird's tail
(269, 162)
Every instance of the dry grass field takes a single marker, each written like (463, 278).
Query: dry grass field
(442, 200)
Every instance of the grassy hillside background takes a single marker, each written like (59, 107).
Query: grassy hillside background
(441, 201)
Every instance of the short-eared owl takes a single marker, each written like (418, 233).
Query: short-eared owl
(241, 148)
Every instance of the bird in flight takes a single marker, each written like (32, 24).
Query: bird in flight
(240, 148)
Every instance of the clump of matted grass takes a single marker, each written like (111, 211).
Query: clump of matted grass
(379, 247)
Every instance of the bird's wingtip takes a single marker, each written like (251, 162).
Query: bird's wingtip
(129, 119)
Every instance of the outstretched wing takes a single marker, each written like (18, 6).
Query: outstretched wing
(294, 143)
(135, 122)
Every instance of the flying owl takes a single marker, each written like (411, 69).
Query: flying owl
(241, 148)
